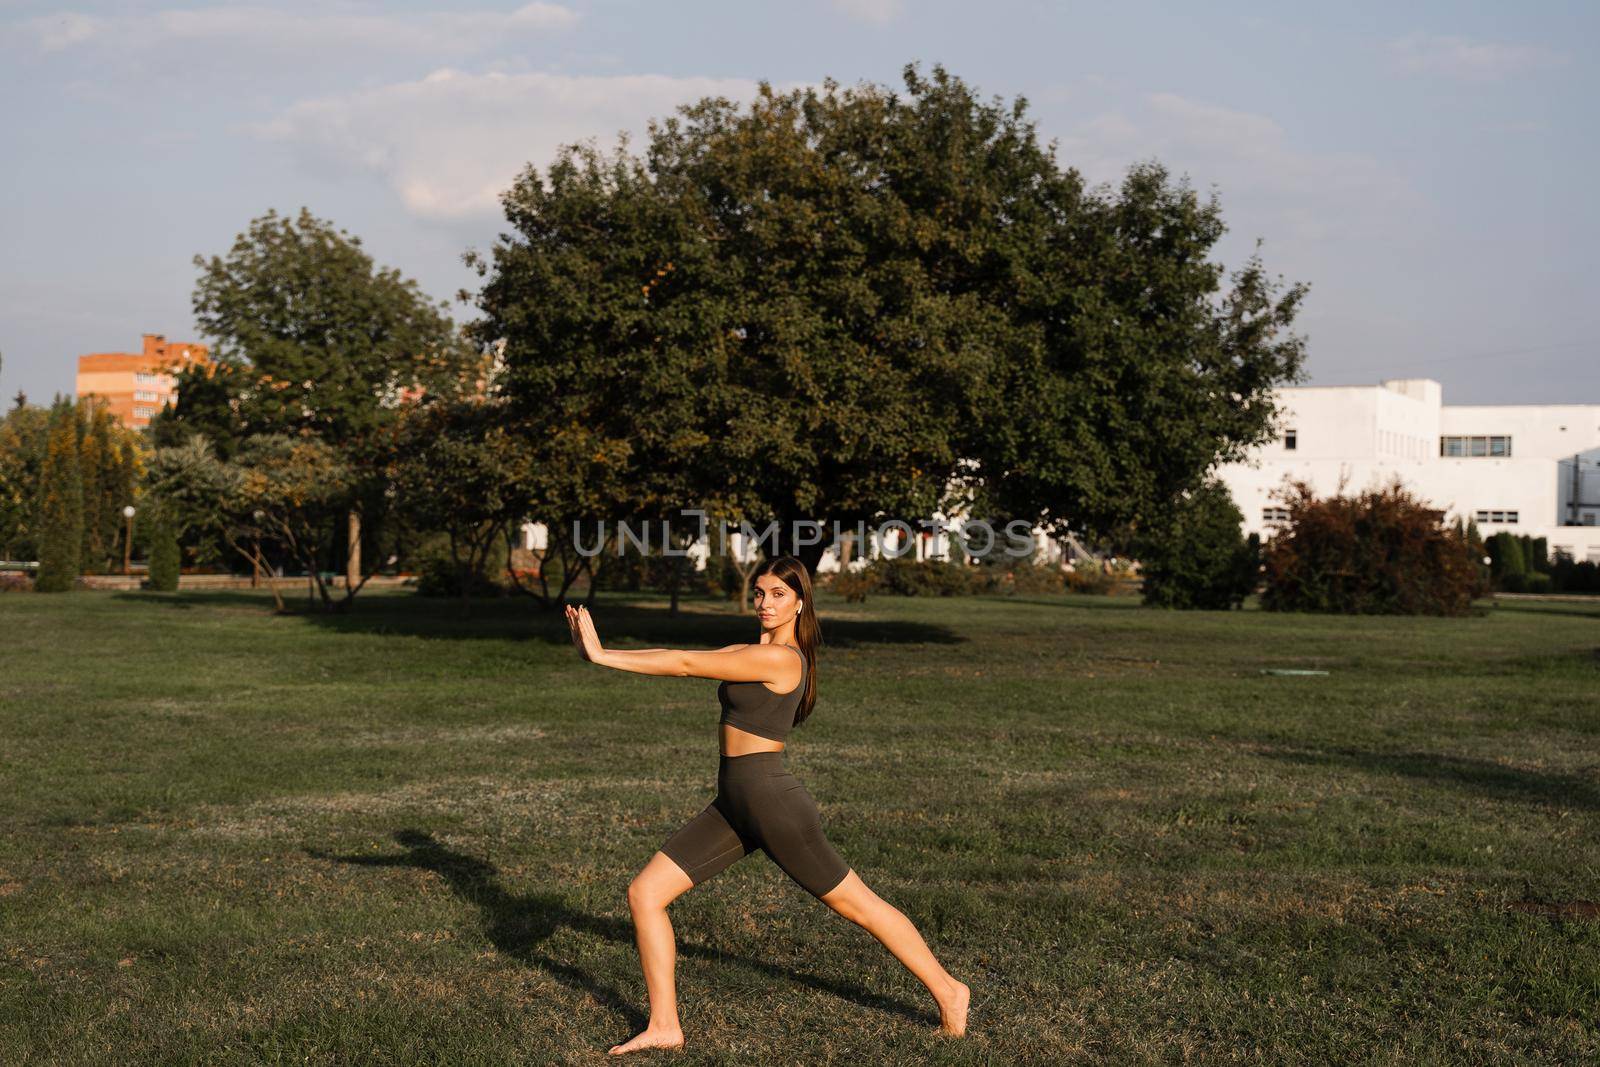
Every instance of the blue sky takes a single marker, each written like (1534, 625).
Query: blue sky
(1428, 168)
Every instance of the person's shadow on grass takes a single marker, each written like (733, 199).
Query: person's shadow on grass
(517, 923)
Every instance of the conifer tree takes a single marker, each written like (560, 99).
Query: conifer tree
(92, 442)
(60, 507)
(165, 555)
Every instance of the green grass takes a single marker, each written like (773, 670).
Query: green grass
(402, 837)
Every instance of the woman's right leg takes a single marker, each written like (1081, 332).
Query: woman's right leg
(702, 847)
(660, 883)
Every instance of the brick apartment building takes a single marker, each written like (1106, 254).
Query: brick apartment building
(137, 384)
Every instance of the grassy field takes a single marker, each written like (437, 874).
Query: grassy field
(403, 837)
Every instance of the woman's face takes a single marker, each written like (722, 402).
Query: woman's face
(776, 603)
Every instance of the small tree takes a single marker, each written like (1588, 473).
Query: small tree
(1507, 565)
(292, 487)
(108, 462)
(24, 441)
(1199, 558)
(454, 468)
(166, 557)
(194, 490)
(1382, 551)
(60, 504)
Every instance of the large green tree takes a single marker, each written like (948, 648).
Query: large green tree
(309, 337)
(837, 305)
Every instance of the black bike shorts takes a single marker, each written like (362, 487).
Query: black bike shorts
(759, 804)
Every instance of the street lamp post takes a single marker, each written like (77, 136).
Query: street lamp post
(127, 541)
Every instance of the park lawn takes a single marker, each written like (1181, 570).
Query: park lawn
(402, 836)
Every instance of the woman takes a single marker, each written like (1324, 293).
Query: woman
(767, 688)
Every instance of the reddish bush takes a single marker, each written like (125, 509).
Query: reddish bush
(1380, 552)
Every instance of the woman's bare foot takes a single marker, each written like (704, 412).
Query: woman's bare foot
(953, 1011)
(672, 1037)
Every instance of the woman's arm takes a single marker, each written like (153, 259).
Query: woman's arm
(724, 648)
(744, 663)
(731, 663)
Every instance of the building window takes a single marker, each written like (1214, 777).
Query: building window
(143, 413)
(1475, 446)
(1271, 514)
(144, 378)
(1496, 516)
(1290, 440)
(144, 394)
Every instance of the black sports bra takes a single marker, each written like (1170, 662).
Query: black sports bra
(752, 707)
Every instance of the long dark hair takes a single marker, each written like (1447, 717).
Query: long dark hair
(807, 633)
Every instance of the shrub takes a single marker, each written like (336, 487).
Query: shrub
(634, 571)
(1108, 577)
(1198, 558)
(438, 574)
(1090, 577)
(165, 558)
(1030, 578)
(1536, 550)
(1380, 552)
(1507, 562)
(1521, 564)
(1570, 576)
(855, 585)
(910, 577)
(1534, 582)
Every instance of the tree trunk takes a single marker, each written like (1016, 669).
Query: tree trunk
(352, 564)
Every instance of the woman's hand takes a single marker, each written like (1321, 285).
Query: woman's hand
(583, 633)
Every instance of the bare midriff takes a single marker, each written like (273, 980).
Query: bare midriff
(737, 742)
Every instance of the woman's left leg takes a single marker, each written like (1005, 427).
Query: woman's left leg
(858, 903)
(791, 831)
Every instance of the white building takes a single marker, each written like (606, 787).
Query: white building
(1524, 468)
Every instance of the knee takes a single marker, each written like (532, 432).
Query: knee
(641, 896)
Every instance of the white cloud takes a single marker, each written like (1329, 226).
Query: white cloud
(65, 30)
(1472, 60)
(1284, 192)
(450, 143)
(880, 12)
(426, 32)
